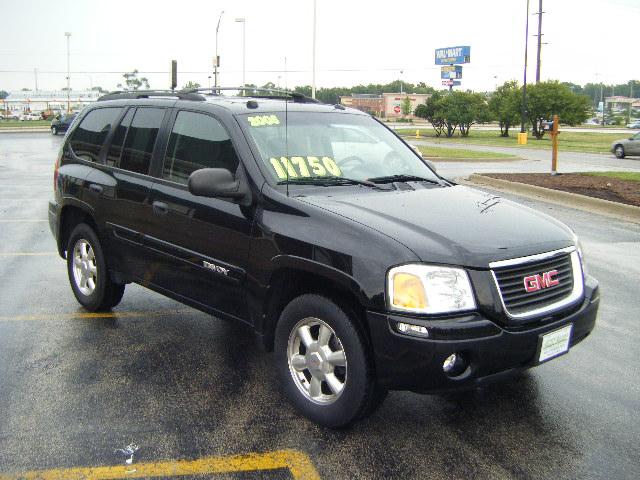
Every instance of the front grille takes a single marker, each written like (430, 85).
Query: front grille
(519, 302)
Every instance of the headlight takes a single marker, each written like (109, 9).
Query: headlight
(429, 289)
(581, 255)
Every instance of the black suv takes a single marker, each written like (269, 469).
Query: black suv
(61, 123)
(325, 232)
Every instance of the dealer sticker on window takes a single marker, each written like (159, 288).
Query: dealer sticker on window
(294, 167)
(555, 343)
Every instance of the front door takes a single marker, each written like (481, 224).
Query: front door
(202, 244)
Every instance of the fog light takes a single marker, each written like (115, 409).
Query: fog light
(454, 365)
(410, 329)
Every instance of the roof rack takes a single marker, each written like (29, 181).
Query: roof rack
(133, 94)
(274, 93)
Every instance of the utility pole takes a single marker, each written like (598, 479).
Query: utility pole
(522, 138)
(216, 60)
(35, 73)
(68, 35)
(243, 21)
(540, 12)
(313, 83)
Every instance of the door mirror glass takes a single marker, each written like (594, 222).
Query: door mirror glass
(214, 182)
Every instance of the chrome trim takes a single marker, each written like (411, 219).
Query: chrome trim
(576, 293)
(531, 258)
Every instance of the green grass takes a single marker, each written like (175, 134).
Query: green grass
(25, 124)
(447, 153)
(632, 176)
(587, 142)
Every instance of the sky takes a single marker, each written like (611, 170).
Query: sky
(356, 41)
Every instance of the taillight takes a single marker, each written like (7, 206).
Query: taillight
(55, 172)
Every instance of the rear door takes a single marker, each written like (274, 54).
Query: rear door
(202, 243)
(123, 185)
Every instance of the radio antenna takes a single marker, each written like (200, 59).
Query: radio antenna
(286, 139)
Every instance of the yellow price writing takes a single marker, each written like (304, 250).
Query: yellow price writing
(294, 167)
(263, 120)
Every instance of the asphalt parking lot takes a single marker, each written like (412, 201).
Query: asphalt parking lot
(199, 398)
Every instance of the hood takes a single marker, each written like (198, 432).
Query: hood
(450, 225)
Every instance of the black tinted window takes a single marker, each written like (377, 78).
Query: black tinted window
(141, 138)
(113, 156)
(88, 138)
(197, 141)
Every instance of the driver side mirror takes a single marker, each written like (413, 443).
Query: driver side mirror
(214, 182)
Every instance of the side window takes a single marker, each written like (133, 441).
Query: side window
(197, 141)
(86, 140)
(141, 138)
(115, 149)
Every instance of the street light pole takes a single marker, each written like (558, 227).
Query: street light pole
(68, 35)
(216, 60)
(313, 83)
(524, 86)
(243, 21)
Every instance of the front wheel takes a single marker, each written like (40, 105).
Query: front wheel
(323, 362)
(54, 130)
(619, 151)
(87, 269)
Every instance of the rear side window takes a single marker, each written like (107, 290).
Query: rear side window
(140, 139)
(197, 141)
(86, 140)
(115, 149)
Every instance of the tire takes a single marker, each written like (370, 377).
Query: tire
(332, 393)
(619, 151)
(88, 273)
(54, 130)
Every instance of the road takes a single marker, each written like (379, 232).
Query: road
(185, 386)
(495, 128)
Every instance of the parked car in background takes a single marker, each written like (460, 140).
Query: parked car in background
(61, 123)
(634, 124)
(628, 146)
(30, 116)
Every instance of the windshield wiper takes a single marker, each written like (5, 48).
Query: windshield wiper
(327, 181)
(402, 178)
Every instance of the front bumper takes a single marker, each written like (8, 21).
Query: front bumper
(492, 351)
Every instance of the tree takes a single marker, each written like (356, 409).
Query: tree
(99, 89)
(432, 111)
(546, 99)
(406, 106)
(190, 85)
(132, 82)
(25, 89)
(504, 106)
(3, 94)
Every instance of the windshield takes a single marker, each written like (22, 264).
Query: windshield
(322, 145)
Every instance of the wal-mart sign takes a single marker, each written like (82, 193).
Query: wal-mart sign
(453, 55)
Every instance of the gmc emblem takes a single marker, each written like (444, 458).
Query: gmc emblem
(533, 283)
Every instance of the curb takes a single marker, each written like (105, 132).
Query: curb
(26, 130)
(472, 160)
(629, 213)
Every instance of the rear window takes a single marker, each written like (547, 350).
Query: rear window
(86, 140)
(141, 139)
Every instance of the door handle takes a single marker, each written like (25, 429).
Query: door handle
(94, 187)
(160, 208)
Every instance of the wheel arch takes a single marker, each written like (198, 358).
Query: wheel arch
(71, 215)
(295, 276)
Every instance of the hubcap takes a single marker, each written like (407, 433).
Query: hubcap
(317, 361)
(85, 269)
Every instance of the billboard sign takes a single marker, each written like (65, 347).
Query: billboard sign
(451, 83)
(451, 72)
(452, 55)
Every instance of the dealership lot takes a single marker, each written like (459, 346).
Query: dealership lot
(183, 386)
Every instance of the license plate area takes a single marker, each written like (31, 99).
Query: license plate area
(553, 344)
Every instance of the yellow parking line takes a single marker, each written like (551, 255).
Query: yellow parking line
(298, 463)
(81, 315)
(26, 254)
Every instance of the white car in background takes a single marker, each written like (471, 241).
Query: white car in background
(30, 116)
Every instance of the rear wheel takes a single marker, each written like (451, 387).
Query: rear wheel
(323, 362)
(619, 151)
(88, 274)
